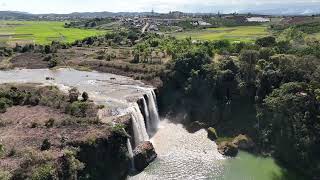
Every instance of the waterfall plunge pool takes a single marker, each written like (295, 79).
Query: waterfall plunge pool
(192, 156)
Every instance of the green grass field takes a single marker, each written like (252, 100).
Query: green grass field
(315, 35)
(240, 33)
(40, 32)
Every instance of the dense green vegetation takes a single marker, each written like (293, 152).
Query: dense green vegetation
(275, 76)
(98, 23)
(230, 22)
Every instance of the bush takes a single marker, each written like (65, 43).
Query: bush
(45, 145)
(31, 99)
(52, 63)
(50, 123)
(47, 58)
(1, 150)
(78, 109)
(266, 53)
(73, 95)
(34, 125)
(266, 41)
(70, 165)
(5, 175)
(44, 172)
(47, 49)
(4, 104)
(85, 96)
(12, 152)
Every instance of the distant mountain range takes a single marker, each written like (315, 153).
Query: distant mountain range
(266, 10)
(15, 15)
(24, 15)
(293, 9)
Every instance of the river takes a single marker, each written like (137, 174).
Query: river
(192, 156)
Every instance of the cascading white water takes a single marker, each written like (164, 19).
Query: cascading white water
(138, 125)
(146, 113)
(130, 153)
(154, 119)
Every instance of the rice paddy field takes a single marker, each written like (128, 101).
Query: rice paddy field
(240, 33)
(40, 32)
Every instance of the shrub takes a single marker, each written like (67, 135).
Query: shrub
(5, 175)
(4, 104)
(78, 109)
(1, 150)
(50, 123)
(44, 172)
(34, 125)
(12, 152)
(69, 165)
(31, 99)
(101, 57)
(52, 63)
(266, 53)
(85, 96)
(73, 95)
(266, 41)
(47, 49)
(45, 145)
(47, 58)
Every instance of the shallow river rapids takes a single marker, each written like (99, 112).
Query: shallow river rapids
(181, 155)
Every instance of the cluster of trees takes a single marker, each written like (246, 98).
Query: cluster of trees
(231, 22)
(125, 38)
(162, 46)
(90, 23)
(282, 91)
(47, 96)
(6, 52)
(298, 39)
(290, 126)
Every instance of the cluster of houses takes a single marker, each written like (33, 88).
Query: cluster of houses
(153, 23)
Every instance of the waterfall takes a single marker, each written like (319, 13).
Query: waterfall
(130, 153)
(154, 119)
(147, 115)
(139, 127)
(145, 121)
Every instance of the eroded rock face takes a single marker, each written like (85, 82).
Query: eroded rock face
(196, 126)
(228, 149)
(143, 155)
(243, 142)
(212, 134)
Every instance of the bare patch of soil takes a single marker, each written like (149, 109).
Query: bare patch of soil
(24, 116)
(29, 61)
(18, 134)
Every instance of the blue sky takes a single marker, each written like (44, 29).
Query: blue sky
(67, 6)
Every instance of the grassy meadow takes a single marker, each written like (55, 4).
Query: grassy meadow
(40, 32)
(240, 33)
